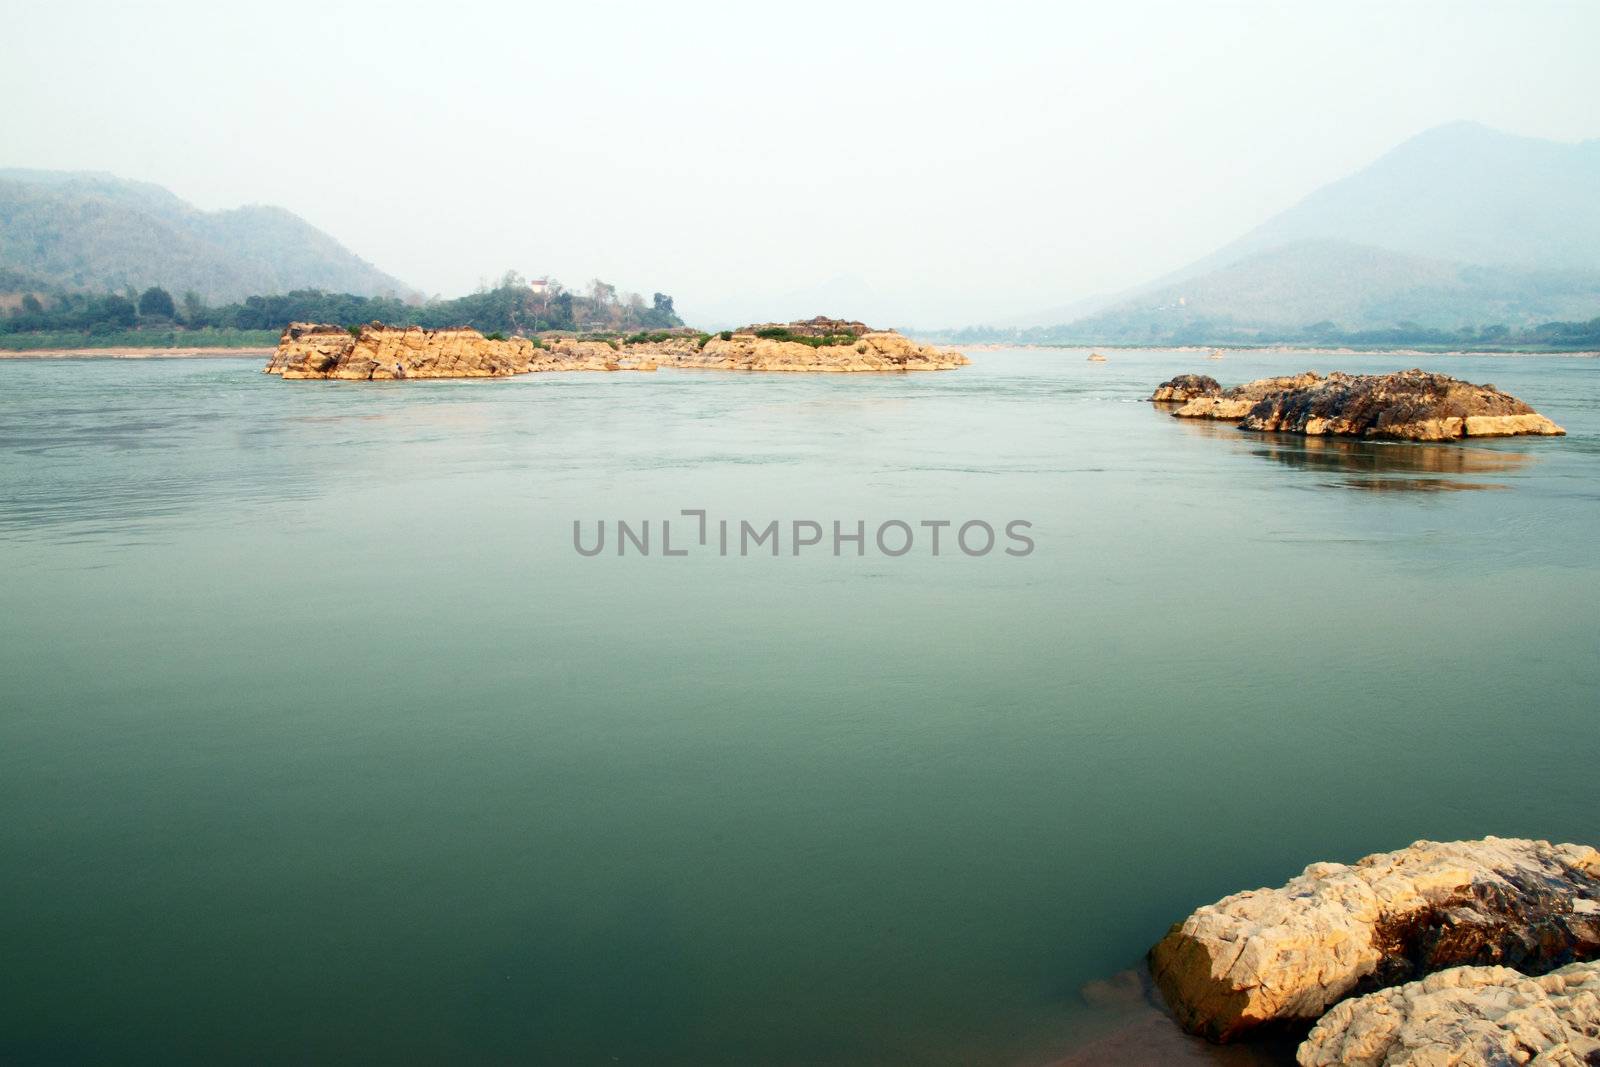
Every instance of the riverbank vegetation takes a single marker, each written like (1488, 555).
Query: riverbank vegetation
(1497, 337)
(43, 319)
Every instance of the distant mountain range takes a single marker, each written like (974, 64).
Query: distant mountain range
(1459, 226)
(97, 232)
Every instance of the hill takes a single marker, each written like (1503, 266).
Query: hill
(96, 232)
(1279, 292)
(1460, 192)
(1460, 226)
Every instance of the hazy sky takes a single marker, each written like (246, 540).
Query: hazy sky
(922, 163)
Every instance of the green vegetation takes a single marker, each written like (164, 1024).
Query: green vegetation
(156, 302)
(726, 335)
(783, 333)
(96, 233)
(40, 317)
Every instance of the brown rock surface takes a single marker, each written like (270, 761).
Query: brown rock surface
(1466, 1017)
(378, 352)
(1184, 388)
(1412, 405)
(871, 352)
(1236, 403)
(1286, 955)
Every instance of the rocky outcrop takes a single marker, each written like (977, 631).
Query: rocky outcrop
(377, 352)
(820, 326)
(1412, 405)
(1186, 387)
(1237, 402)
(1466, 1017)
(1286, 955)
(870, 352)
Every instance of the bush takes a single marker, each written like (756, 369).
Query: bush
(496, 336)
(726, 335)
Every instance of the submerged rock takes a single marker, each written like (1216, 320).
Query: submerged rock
(1185, 387)
(1414, 405)
(1236, 403)
(1466, 1017)
(1286, 955)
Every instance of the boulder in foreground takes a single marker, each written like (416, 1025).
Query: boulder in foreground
(1285, 955)
(1466, 1017)
(1411, 405)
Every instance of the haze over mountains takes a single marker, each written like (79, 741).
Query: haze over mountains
(1460, 225)
(97, 232)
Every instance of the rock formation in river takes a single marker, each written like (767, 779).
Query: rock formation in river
(1184, 388)
(1466, 1017)
(1236, 403)
(1411, 405)
(378, 352)
(1286, 955)
(875, 351)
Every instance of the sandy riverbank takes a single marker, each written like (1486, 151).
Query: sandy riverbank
(135, 353)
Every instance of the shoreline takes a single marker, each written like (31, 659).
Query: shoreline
(1311, 350)
(133, 353)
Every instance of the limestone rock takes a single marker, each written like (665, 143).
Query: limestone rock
(1237, 402)
(871, 352)
(1466, 1017)
(1286, 955)
(1185, 387)
(377, 352)
(1413, 405)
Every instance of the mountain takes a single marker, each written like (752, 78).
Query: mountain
(93, 231)
(1460, 192)
(1355, 287)
(1460, 225)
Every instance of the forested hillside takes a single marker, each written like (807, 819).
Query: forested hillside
(97, 233)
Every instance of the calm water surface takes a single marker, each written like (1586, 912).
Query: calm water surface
(319, 742)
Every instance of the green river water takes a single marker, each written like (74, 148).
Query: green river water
(319, 742)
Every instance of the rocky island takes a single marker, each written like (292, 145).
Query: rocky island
(376, 352)
(1284, 957)
(1409, 405)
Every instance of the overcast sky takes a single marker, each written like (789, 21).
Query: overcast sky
(923, 164)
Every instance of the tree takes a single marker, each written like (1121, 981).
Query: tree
(30, 304)
(156, 302)
(663, 302)
(194, 308)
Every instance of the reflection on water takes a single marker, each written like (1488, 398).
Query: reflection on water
(1391, 466)
(1374, 466)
